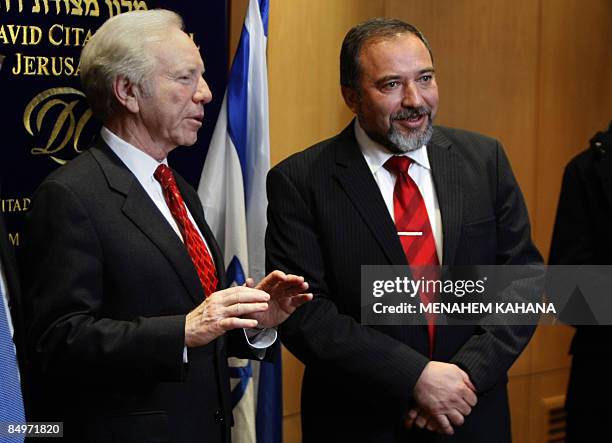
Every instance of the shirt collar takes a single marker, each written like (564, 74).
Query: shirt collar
(376, 155)
(142, 165)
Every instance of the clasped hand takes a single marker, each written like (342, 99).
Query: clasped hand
(444, 396)
(266, 305)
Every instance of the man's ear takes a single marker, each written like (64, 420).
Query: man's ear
(126, 93)
(351, 98)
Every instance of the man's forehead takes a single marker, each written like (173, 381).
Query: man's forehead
(402, 50)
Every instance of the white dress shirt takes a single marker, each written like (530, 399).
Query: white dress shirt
(143, 167)
(420, 171)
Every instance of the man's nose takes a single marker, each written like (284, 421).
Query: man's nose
(412, 96)
(202, 93)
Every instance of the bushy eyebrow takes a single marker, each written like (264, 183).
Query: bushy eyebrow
(388, 78)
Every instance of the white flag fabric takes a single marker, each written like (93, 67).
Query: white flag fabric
(232, 190)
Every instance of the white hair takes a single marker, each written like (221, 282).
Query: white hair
(119, 47)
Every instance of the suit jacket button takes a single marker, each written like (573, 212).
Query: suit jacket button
(219, 417)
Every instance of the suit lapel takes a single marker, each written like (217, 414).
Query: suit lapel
(445, 166)
(141, 210)
(357, 181)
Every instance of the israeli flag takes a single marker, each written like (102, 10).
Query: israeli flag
(232, 190)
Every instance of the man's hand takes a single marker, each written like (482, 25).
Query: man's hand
(444, 395)
(222, 311)
(287, 292)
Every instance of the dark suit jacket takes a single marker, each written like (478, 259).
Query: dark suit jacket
(583, 235)
(326, 218)
(108, 284)
(9, 267)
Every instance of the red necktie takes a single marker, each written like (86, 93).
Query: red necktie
(194, 243)
(414, 231)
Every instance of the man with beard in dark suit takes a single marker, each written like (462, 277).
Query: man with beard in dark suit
(392, 189)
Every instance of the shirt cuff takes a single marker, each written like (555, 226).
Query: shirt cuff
(260, 339)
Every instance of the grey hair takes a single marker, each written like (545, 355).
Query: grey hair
(119, 48)
(360, 35)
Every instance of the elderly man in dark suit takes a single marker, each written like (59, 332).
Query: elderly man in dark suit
(129, 321)
(391, 189)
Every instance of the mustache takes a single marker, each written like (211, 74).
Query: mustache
(411, 112)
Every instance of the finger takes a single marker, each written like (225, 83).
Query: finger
(249, 283)
(432, 425)
(410, 417)
(443, 425)
(466, 380)
(287, 289)
(242, 309)
(300, 299)
(470, 397)
(271, 279)
(237, 323)
(420, 421)
(455, 417)
(238, 294)
(464, 408)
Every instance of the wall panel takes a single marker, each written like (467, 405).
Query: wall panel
(485, 58)
(575, 93)
(305, 101)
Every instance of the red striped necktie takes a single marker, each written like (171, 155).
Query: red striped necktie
(414, 231)
(193, 241)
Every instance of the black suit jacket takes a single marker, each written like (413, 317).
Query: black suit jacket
(108, 284)
(326, 218)
(583, 235)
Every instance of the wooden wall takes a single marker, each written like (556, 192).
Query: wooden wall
(536, 74)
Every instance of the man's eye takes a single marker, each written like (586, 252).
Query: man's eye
(425, 78)
(392, 84)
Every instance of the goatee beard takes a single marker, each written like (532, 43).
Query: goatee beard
(398, 142)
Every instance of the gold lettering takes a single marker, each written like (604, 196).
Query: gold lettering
(58, 7)
(19, 34)
(111, 11)
(14, 34)
(95, 12)
(36, 7)
(87, 37)
(42, 66)
(17, 68)
(35, 35)
(140, 5)
(68, 66)
(67, 36)
(7, 5)
(14, 238)
(29, 65)
(15, 204)
(65, 128)
(115, 6)
(77, 9)
(52, 29)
